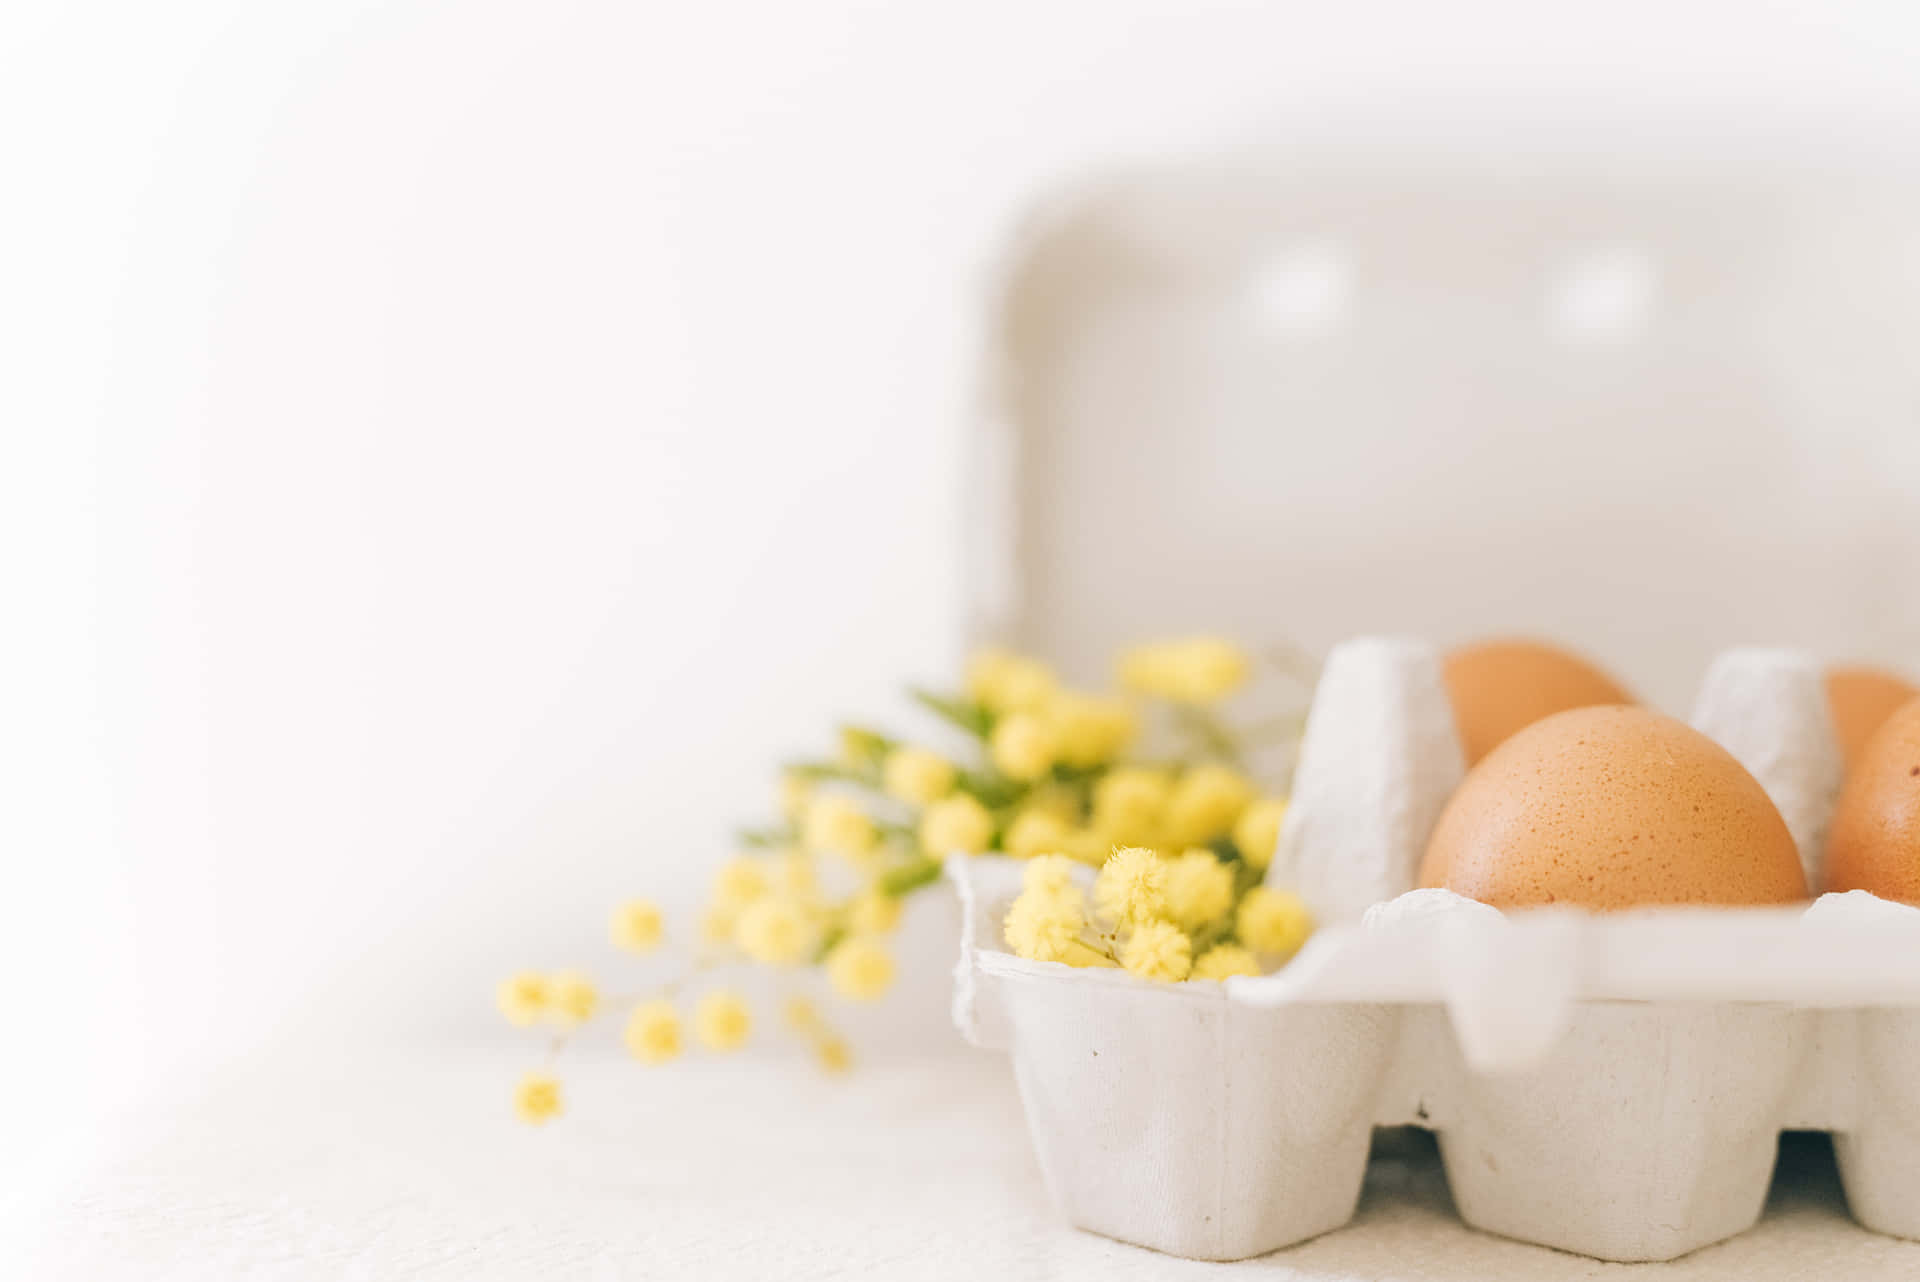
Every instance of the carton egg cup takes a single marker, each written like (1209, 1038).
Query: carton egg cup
(1608, 1084)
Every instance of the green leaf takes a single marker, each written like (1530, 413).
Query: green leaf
(964, 713)
(906, 878)
(814, 771)
(828, 942)
(861, 748)
(990, 788)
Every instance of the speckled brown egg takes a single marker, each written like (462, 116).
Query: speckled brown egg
(1610, 808)
(1874, 843)
(1862, 699)
(1499, 688)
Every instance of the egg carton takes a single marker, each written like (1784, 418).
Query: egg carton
(1608, 1084)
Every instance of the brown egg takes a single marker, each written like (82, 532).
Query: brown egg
(1874, 843)
(1500, 687)
(1611, 808)
(1861, 699)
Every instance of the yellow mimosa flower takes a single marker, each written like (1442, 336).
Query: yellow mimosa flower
(722, 1021)
(1205, 803)
(1131, 886)
(1091, 730)
(1199, 889)
(1257, 832)
(537, 1100)
(801, 1015)
(718, 923)
(1023, 747)
(1087, 846)
(1196, 670)
(860, 969)
(739, 882)
(917, 776)
(638, 926)
(1007, 682)
(873, 912)
(1223, 961)
(1129, 804)
(1035, 832)
(836, 825)
(653, 1032)
(1158, 950)
(1050, 875)
(574, 997)
(1044, 923)
(775, 931)
(834, 1054)
(1058, 800)
(1273, 921)
(796, 875)
(956, 824)
(524, 998)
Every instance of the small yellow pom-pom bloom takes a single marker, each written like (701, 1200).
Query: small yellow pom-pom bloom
(1023, 747)
(836, 825)
(1088, 846)
(739, 882)
(1131, 886)
(1158, 950)
(1058, 800)
(1050, 875)
(860, 969)
(1196, 670)
(722, 1021)
(775, 931)
(1007, 682)
(1044, 923)
(1199, 889)
(873, 912)
(916, 776)
(1091, 730)
(537, 1098)
(718, 924)
(1205, 804)
(638, 926)
(653, 1032)
(796, 875)
(1128, 804)
(1257, 831)
(1223, 961)
(575, 999)
(795, 792)
(801, 1015)
(525, 997)
(834, 1054)
(958, 823)
(1273, 921)
(1035, 832)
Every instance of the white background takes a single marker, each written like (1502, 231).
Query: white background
(453, 450)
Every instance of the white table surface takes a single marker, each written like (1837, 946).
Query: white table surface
(406, 1164)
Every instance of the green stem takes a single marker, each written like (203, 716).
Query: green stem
(1206, 728)
(906, 878)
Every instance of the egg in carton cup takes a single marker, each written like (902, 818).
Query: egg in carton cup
(1608, 1083)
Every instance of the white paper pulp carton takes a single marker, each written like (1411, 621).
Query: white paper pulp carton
(1610, 1084)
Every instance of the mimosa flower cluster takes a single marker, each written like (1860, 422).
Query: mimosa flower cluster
(1175, 848)
(1197, 915)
